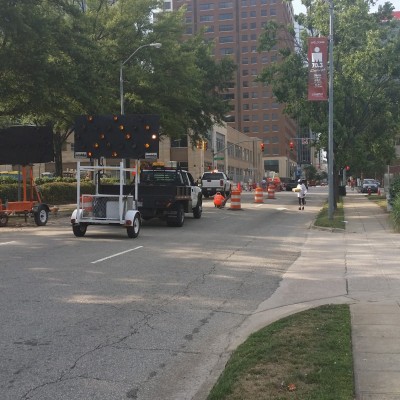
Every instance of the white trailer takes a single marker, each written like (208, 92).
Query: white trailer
(103, 208)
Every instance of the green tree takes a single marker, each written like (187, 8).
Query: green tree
(366, 81)
(61, 58)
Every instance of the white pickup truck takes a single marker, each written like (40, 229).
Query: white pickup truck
(215, 181)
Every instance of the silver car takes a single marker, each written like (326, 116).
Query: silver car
(369, 185)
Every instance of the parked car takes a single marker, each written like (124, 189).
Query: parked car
(369, 185)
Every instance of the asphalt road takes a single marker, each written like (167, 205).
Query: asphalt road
(107, 317)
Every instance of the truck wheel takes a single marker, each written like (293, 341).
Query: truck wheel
(179, 218)
(41, 215)
(133, 231)
(79, 230)
(3, 220)
(197, 211)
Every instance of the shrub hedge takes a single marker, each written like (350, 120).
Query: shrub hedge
(52, 193)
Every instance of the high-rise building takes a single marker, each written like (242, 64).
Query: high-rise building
(235, 27)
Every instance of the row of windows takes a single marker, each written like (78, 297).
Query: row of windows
(244, 14)
(266, 129)
(226, 4)
(255, 117)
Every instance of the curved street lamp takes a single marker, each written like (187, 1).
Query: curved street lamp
(121, 80)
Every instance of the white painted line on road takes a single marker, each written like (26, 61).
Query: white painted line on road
(13, 241)
(115, 255)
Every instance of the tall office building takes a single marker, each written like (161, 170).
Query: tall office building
(235, 27)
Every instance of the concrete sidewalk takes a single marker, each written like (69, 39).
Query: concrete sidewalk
(359, 266)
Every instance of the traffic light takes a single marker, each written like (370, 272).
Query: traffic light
(347, 168)
(291, 145)
(117, 136)
(205, 145)
(262, 146)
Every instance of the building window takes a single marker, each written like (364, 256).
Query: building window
(266, 128)
(244, 14)
(264, 13)
(265, 106)
(246, 129)
(246, 118)
(245, 83)
(254, 60)
(245, 49)
(209, 29)
(225, 28)
(206, 6)
(244, 3)
(274, 140)
(253, 25)
(255, 106)
(245, 38)
(264, 59)
(225, 39)
(227, 51)
(255, 129)
(223, 17)
(274, 117)
(271, 165)
(225, 4)
(246, 95)
(253, 14)
(275, 128)
(266, 117)
(272, 12)
(206, 18)
(254, 95)
(275, 105)
(244, 25)
(167, 5)
(246, 106)
(254, 71)
(245, 60)
(254, 117)
(245, 72)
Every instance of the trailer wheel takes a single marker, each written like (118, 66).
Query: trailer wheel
(79, 230)
(133, 231)
(179, 218)
(41, 215)
(3, 220)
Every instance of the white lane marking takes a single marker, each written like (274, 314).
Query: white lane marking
(115, 255)
(13, 241)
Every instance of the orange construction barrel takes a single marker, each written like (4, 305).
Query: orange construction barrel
(87, 203)
(271, 191)
(259, 195)
(235, 200)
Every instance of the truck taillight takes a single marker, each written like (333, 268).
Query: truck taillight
(221, 182)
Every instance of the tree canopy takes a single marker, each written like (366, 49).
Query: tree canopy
(61, 58)
(366, 62)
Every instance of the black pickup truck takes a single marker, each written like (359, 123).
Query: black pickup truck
(168, 194)
(164, 193)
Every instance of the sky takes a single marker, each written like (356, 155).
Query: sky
(299, 8)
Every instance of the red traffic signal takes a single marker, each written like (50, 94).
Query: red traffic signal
(262, 146)
(347, 168)
(291, 145)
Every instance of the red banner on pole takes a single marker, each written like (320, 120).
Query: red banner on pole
(317, 68)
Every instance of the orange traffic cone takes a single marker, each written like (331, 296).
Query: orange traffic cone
(239, 187)
(219, 200)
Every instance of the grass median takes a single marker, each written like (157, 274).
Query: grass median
(304, 356)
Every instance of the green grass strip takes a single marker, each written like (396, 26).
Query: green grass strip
(305, 356)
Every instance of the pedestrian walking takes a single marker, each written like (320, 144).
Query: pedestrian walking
(301, 191)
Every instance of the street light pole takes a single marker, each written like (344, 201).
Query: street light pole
(331, 192)
(121, 80)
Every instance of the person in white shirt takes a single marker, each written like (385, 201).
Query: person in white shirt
(301, 193)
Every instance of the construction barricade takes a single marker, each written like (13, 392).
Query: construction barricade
(259, 195)
(235, 200)
(271, 191)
